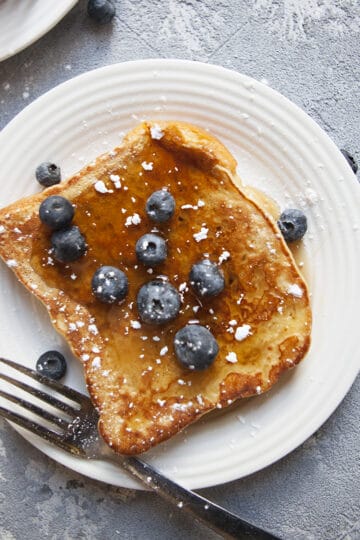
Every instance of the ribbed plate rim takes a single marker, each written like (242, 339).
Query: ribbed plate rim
(327, 147)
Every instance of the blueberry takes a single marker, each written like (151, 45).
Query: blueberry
(102, 11)
(158, 302)
(52, 364)
(206, 278)
(109, 284)
(48, 174)
(160, 206)
(56, 212)
(151, 249)
(195, 347)
(292, 224)
(351, 161)
(68, 244)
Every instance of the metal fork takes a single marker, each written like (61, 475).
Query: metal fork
(78, 434)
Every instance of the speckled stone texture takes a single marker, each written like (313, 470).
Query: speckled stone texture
(309, 51)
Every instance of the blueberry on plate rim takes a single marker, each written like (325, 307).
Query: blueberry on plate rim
(158, 302)
(52, 364)
(101, 11)
(160, 206)
(350, 159)
(68, 244)
(109, 284)
(206, 278)
(195, 347)
(151, 249)
(292, 224)
(48, 174)
(56, 212)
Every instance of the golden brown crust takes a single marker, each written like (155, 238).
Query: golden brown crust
(197, 146)
(144, 396)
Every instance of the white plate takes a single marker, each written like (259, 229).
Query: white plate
(279, 149)
(24, 21)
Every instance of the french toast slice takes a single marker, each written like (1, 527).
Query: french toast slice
(261, 320)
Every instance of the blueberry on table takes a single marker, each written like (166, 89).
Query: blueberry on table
(109, 284)
(292, 224)
(68, 245)
(101, 11)
(350, 159)
(195, 347)
(48, 174)
(56, 212)
(151, 249)
(158, 302)
(160, 206)
(206, 278)
(52, 364)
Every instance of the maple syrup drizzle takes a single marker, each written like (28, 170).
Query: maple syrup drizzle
(103, 218)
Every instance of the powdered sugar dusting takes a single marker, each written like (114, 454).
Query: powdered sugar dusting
(202, 235)
(224, 256)
(96, 363)
(135, 324)
(147, 166)
(194, 29)
(115, 178)
(156, 132)
(101, 188)
(295, 290)
(181, 406)
(292, 19)
(93, 329)
(231, 357)
(135, 219)
(242, 332)
(161, 402)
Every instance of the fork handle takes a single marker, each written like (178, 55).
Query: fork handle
(225, 523)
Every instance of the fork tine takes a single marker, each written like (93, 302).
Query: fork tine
(41, 395)
(61, 388)
(42, 432)
(35, 409)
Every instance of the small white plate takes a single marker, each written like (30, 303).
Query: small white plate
(280, 150)
(24, 21)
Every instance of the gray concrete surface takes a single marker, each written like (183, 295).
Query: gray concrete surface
(307, 49)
